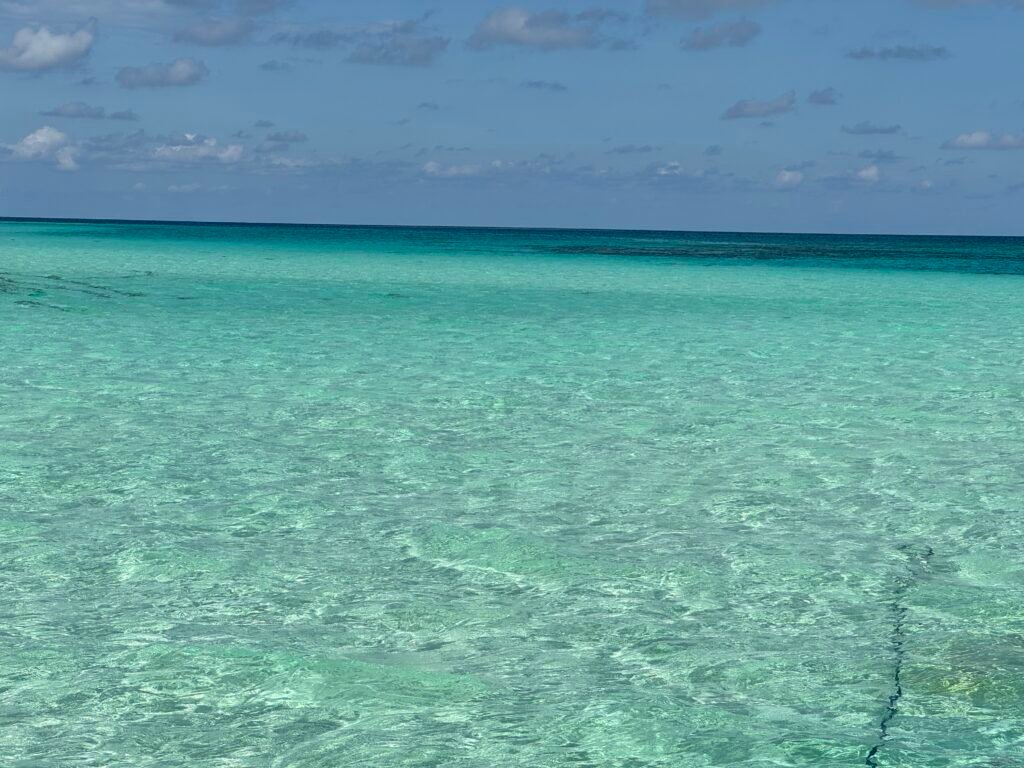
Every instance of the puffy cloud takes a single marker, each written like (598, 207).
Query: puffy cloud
(870, 174)
(733, 35)
(749, 108)
(866, 128)
(675, 175)
(699, 9)
(986, 140)
(543, 30)
(213, 32)
(39, 49)
(66, 158)
(138, 151)
(181, 72)
(901, 52)
(789, 178)
(191, 148)
(826, 97)
(40, 143)
(47, 143)
(674, 168)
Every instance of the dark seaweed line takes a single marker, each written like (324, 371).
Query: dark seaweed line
(40, 285)
(897, 640)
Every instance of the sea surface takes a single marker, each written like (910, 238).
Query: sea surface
(297, 497)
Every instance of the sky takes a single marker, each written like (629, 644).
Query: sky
(884, 116)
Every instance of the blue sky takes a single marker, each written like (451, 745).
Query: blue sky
(771, 115)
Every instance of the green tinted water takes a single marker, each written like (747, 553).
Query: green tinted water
(294, 497)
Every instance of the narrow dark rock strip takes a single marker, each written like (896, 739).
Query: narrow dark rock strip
(43, 304)
(42, 285)
(94, 287)
(897, 639)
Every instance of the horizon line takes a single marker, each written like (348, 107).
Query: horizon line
(478, 227)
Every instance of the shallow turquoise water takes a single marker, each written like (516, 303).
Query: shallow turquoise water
(278, 497)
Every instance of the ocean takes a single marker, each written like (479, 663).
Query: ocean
(297, 497)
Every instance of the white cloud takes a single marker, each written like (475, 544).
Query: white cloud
(871, 174)
(546, 30)
(190, 148)
(676, 170)
(47, 143)
(66, 158)
(437, 170)
(787, 179)
(39, 49)
(986, 140)
(41, 143)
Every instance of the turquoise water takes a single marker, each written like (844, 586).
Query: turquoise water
(292, 497)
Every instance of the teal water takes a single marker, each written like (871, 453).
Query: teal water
(279, 497)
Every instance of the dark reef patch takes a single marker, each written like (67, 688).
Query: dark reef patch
(917, 567)
(38, 286)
